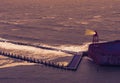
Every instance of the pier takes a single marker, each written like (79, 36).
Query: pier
(73, 65)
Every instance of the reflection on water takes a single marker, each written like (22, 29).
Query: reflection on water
(59, 24)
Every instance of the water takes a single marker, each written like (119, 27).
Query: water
(60, 24)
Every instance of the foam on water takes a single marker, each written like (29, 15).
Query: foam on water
(74, 48)
(37, 52)
(40, 53)
(6, 62)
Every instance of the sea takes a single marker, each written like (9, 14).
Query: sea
(61, 24)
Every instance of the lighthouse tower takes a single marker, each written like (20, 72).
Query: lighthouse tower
(95, 38)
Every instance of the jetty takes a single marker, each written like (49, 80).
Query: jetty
(72, 65)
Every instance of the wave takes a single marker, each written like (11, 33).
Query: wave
(39, 53)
